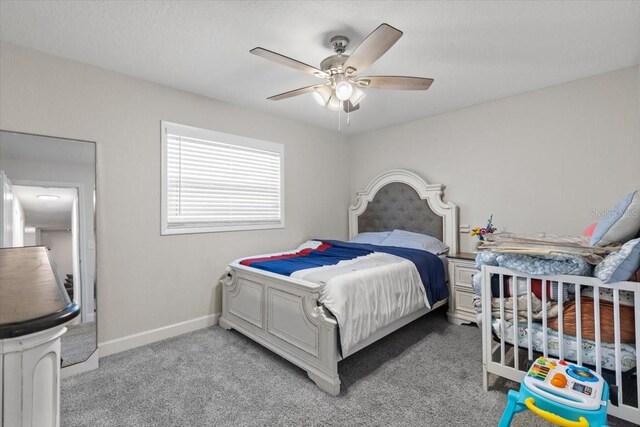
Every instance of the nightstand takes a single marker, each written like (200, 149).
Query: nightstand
(462, 267)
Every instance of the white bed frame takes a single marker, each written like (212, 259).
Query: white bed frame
(283, 313)
(495, 351)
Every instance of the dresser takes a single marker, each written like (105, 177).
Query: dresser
(34, 308)
(462, 267)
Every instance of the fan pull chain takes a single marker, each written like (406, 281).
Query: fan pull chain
(339, 121)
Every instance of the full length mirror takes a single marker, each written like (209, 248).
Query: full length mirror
(48, 199)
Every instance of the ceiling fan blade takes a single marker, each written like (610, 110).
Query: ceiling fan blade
(289, 62)
(395, 82)
(348, 107)
(372, 48)
(294, 92)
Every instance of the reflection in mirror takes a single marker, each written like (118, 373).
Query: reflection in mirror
(48, 188)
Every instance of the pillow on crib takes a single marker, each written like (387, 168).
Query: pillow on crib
(371, 238)
(620, 223)
(407, 239)
(620, 266)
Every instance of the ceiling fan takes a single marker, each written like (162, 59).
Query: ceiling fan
(343, 85)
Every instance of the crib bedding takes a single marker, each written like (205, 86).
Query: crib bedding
(550, 264)
(570, 345)
(367, 291)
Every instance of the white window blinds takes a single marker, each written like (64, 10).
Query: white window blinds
(217, 182)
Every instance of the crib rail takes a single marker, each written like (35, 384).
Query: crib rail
(505, 352)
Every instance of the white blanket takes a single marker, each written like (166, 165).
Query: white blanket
(367, 294)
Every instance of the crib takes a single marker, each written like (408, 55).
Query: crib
(509, 340)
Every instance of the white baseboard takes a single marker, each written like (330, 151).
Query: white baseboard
(148, 337)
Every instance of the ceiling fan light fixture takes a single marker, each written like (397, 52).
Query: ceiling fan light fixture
(357, 96)
(322, 95)
(334, 103)
(344, 90)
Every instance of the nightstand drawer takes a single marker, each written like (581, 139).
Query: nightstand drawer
(461, 271)
(464, 276)
(463, 301)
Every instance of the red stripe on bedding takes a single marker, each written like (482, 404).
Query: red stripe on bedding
(249, 261)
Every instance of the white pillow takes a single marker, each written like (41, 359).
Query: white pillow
(620, 266)
(371, 238)
(621, 223)
(407, 239)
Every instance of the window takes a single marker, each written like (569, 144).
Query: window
(213, 181)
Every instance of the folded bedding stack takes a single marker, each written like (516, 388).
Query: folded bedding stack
(611, 253)
(613, 247)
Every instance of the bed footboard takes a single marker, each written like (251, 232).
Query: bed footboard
(512, 333)
(283, 316)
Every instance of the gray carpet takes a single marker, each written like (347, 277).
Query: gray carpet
(78, 343)
(429, 373)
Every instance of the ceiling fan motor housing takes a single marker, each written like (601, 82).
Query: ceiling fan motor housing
(333, 64)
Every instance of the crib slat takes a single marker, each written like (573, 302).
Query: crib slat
(636, 297)
(516, 323)
(596, 320)
(616, 334)
(529, 321)
(578, 324)
(487, 327)
(502, 321)
(560, 321)
(545, 343)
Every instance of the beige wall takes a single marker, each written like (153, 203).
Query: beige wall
(146, 281)
(61, 250)
(541, 161)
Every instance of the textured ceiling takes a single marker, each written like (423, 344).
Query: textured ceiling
(475, 51)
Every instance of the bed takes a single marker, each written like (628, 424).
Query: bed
(560, 324)
(285, 314)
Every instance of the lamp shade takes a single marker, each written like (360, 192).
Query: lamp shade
(344, 90)
(357, 96)
(322, 95)
(334, 103)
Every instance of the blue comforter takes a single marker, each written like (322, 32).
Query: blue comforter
(331, 252)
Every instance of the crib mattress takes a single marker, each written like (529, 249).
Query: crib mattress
(570, 345)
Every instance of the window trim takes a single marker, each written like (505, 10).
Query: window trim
(225, 138)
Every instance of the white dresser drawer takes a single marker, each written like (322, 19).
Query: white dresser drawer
(463, 301)
(464, 276)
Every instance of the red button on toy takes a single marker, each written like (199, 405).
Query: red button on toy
(563, 363)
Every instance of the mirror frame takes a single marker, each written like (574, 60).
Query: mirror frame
(92, 361)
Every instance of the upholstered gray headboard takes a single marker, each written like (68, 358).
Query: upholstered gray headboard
(399, 206)
(400, 199)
